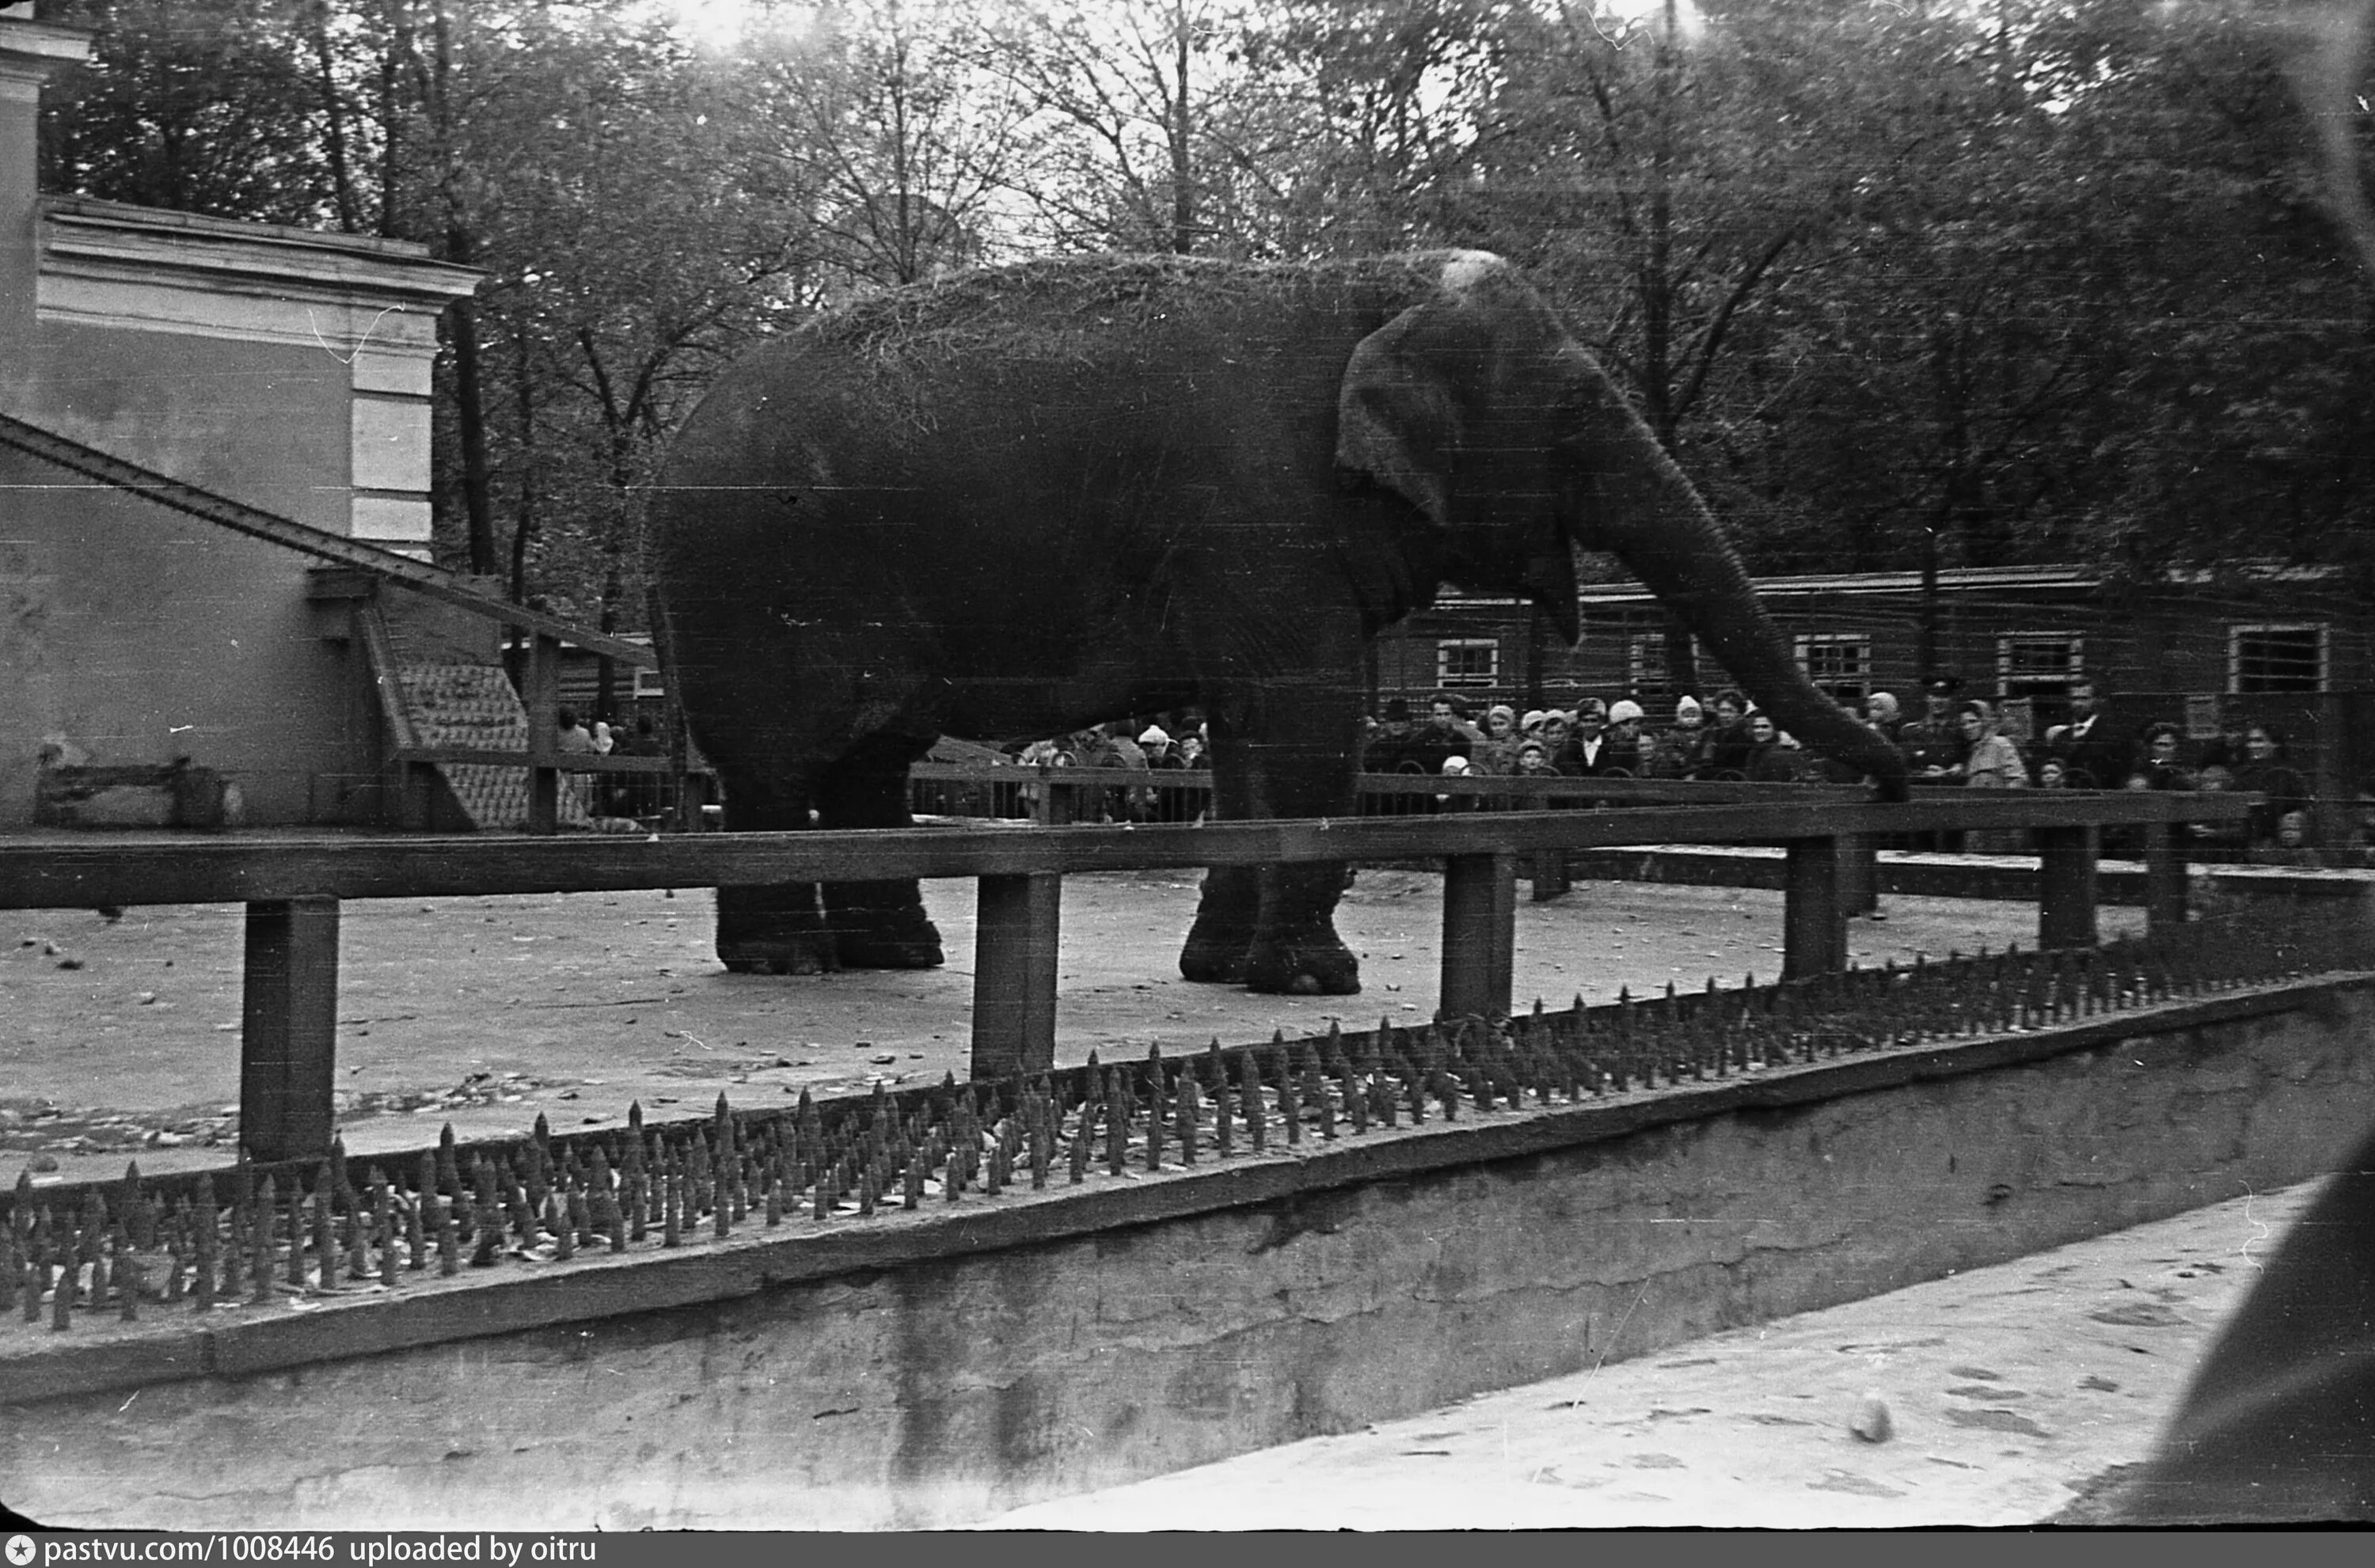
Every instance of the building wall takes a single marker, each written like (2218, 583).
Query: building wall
(138, 636)
(209, 335)
(1530, 663)
(260, 422)
(280, 368)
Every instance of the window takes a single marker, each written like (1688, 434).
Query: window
(1645, 667)
(1467, 662)
(2036, 667)
(1837, 662)
(2038, 664)
(2276, 658)
(1648, 676)
(648, 686)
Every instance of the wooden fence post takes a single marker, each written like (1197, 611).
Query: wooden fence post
(2164, 878)
(1480, 934)
(2065, 887)
(1014, 974)
(1550, 864)
(1859, 874)
(1814, 926)
(289, 1028)
(543, 708)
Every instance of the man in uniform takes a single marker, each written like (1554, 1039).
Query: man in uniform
(1932, 744)
(1935, 749)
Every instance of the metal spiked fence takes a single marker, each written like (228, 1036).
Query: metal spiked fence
(256, 1234)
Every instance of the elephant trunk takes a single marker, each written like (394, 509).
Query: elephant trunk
(1646, 512)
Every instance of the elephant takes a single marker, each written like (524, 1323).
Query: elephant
(1022, 500)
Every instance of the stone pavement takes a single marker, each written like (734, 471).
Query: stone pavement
(2010, 1392)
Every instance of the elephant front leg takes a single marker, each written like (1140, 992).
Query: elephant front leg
(1297, 762)
(774, 929)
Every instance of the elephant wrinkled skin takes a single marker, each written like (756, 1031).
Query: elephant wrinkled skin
(1024, 500)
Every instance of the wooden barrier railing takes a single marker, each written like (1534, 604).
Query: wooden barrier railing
(293, 887)
(1059, 795)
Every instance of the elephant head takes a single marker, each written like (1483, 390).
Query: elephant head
(1480, 409)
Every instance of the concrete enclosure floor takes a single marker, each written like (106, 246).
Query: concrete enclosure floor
(121, 1037)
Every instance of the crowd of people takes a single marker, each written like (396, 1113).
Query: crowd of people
(617, 796)
(1594, 739)
(1954, 740)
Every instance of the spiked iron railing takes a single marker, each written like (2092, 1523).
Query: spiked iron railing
(259, 1233)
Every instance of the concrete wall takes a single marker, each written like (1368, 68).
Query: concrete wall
(949, 1387)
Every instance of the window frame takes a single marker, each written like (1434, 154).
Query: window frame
(1647, 674)
(2239, 630)
(1803, 646)
(2073, 664)
(1445, 681)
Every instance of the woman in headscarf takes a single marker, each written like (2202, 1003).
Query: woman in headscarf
(1991, 761)
(1497, 752)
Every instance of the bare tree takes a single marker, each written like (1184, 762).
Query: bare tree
(888, 115)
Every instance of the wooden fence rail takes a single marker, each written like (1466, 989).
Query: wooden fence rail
(292, 888)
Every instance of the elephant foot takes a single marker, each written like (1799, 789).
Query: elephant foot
(916, 945)
(1226, 915)
(810, 952)
(882, 925)
(1310, 963)
(1214, 960)
(771, 930)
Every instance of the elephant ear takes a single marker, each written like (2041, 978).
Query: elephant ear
(1397, 423)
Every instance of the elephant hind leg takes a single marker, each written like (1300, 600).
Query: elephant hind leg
(876, 924)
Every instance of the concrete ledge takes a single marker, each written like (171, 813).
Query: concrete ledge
(952, 1363)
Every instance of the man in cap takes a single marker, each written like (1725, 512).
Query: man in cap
(1932, 744)
(1935, 749)
(1391, 741)
(1585, 753)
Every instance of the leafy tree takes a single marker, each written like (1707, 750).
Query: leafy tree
(193, 105)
